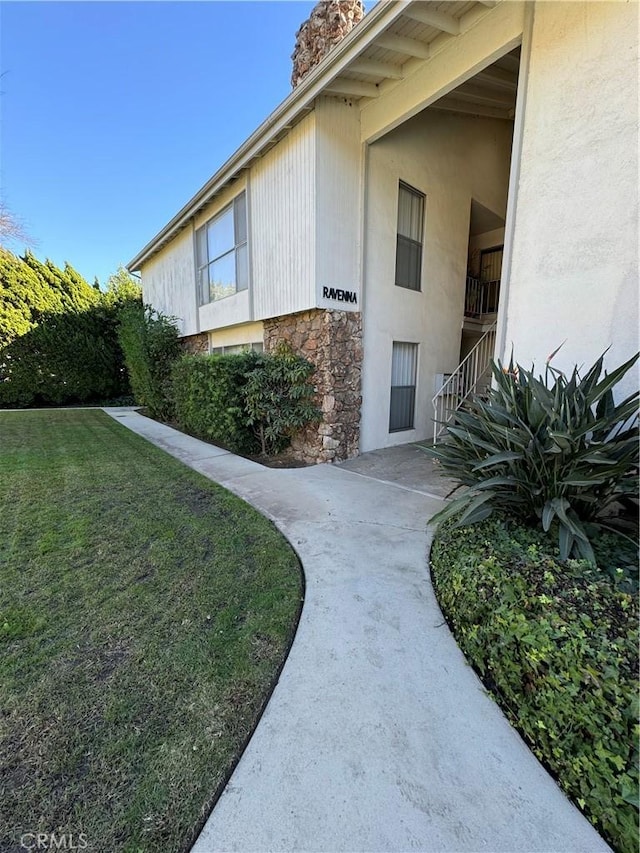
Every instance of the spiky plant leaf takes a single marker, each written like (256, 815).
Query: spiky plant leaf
(555, 448)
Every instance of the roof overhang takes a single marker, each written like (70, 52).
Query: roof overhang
(344, 71)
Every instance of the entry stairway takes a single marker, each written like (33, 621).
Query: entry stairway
(472, 376)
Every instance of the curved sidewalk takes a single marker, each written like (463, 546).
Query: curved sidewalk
(378, 736)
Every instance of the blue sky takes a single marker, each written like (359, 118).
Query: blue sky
(113, 114)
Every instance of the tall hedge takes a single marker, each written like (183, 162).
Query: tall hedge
(151, 345)
(66, 358)
(208, 395)
(58, 334)
(30, 290)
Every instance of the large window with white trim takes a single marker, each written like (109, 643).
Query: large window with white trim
(409, 237)
(222, 253)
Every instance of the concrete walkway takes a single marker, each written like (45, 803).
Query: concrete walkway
(378, 736)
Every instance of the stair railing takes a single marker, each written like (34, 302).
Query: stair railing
(465, 380)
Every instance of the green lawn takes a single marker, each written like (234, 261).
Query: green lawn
(144, 614)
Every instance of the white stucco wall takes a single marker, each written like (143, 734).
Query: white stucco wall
(451, 159)
(574, 272)
(168, 282)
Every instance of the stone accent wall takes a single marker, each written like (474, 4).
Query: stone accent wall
(330, 21)
(196, 344)
(332, 341)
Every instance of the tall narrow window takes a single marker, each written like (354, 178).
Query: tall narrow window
(221, 253)
(409, 240)
(404, 368)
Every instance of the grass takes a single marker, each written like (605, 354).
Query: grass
(144, 615)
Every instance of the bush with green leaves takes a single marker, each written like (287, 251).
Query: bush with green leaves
(67, 358)
(279, 398)
(31, 289)
(248, 402)
(554, 450)
(58, 335)
(557, 644)
(208, 398)
(151, 345)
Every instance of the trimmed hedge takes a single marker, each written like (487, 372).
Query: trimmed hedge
(249, 402)
(558, 647)
(208, 398)
(151, 345)
(67, 358)
(58, 335)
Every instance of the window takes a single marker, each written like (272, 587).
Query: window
(221, 253)
(409, 240)
(257, 346)
(404, 367)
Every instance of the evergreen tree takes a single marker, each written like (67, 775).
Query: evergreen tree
(122, 287)
(24, 296)
(58, 334)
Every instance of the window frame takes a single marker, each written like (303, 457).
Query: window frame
(404, 240)
(235, 349)
(413, 388)
(202, 241)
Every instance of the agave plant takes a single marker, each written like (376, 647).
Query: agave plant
(555, 448)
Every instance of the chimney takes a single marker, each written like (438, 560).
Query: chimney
(330, 21)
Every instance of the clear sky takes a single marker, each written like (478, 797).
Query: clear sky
(113, 114)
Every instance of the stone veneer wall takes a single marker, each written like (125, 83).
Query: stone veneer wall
(332, 341)
(196, 344)
(330, 21)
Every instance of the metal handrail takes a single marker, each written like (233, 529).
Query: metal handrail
(464, 380)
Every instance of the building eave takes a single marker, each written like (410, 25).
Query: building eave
(288, 113)
(349, 70)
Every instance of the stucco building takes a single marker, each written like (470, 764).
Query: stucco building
(451, 179)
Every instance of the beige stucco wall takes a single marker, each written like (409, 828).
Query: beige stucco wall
(168, 282)
(451, 159)
(247, 333)
(574, 273)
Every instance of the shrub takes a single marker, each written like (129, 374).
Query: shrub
(248, 402)
(552, 450)
(150, 344)
(208, 398)
(558, 646)
(30, 289)
(67, 358)
(58, 335)
(278, 398)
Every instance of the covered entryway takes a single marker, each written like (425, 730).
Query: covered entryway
(436, 207)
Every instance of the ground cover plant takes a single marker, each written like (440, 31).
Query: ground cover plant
(557, 644)
(541, 590)
(144, 615)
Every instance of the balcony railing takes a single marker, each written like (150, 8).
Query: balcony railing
(481, 297)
